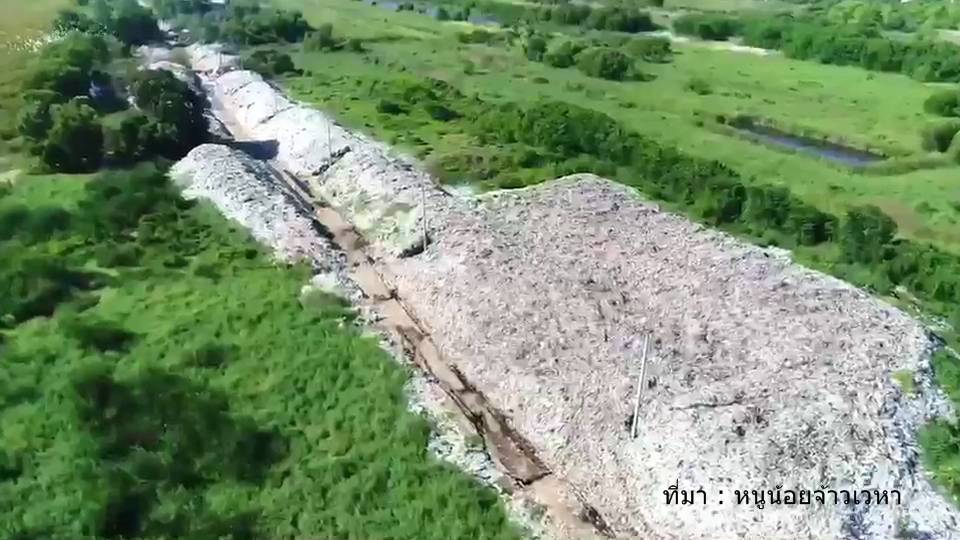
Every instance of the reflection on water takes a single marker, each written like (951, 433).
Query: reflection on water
(837, 153)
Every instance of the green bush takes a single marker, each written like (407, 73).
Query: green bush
(271, 63)
(100, 336)
(535, 48)
(74, 143)
(651, 49)
(475, 36)
(866, 234)
(937, 137)
(699, 86)
(564, 54)
(943, 103)
(605, 63)
(440, 112)
(178, 122)
(385, 106)
(252, 24)
(321, 39)
(707, 26)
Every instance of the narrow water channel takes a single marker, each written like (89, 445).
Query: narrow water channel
(837, 153)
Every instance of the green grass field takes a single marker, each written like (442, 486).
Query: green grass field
(843, 104)
(20, 20)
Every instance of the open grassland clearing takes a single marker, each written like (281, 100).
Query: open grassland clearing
(21, 21)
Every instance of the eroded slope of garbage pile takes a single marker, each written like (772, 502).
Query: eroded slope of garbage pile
(249, 192)
(763, 373)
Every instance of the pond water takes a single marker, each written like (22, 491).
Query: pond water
(845, 155)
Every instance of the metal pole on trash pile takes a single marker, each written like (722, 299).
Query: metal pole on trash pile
(635, 425)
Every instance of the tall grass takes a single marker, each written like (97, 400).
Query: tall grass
(179, 403)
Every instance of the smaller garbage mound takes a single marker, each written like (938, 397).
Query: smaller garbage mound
(308, 140)
(211, 58)
(381, 196)
(252, 194)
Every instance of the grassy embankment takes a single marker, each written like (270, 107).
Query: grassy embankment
(845, 104)
(174, 385)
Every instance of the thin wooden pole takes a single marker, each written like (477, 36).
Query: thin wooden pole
(635, 425)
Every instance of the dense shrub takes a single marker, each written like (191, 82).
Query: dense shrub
(815, 38)
(943, 103)
(605, 63)
(619, 19)
(69, 21)
(34, 285)
(564, 54)
(699, 86)
(650, 49)
(74, 143)
(270, 63)
(251, 24)
(612, 18)
(866, 233)
(178, 113)
(320, 39)
(535, 47)
(133, 24)
(440, 112)
(386, 106)
(937, 137)
(100, 336)
(66, 67)
(707, 26)
(476, 35)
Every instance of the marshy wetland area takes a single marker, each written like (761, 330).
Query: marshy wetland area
(479, 269)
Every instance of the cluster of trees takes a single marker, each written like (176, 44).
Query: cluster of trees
(650, 49)
(245, 22)
(899, 16)
(712, 26)
(942, 136)
(127, 20)
(170, 124)
(323, 39)
(66, 93)
(867, 47)
(252, 24)
(58, 120)
(593, 59)
(612, 18)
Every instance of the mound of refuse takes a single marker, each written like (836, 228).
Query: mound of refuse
(251, 193)
(764, 379)
(762, 375)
